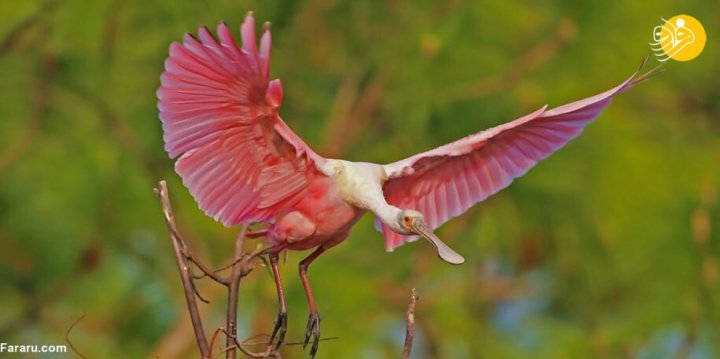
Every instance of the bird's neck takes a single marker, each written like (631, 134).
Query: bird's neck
(360, 184)
(388, 214)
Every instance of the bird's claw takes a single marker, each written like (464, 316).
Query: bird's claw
(312, 330)
(279, 330)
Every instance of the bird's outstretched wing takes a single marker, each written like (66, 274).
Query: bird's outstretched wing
(444, 182)
(241, 162)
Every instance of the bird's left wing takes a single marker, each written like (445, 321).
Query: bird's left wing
(444, 182)
(241, 162)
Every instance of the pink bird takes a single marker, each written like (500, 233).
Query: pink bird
(243, 164)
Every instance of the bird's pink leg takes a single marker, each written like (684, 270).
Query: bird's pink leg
(257, 234)
(281, 322)
(313, 324)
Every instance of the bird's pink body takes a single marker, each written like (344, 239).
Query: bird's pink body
(322, 218)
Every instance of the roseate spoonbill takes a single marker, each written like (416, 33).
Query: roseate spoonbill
(243, 164)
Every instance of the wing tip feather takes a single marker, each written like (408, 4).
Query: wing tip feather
(247, 30)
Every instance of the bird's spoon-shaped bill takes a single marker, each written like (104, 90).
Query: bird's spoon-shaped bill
(444, 252)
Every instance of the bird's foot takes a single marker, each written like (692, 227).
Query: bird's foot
(279, 330)
(312, 331)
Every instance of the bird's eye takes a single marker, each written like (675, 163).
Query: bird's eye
(408, 221)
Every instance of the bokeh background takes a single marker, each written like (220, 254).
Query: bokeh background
(608, 249)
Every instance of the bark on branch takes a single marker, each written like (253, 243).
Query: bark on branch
(410, 328)
(242, 264)
(182, 260)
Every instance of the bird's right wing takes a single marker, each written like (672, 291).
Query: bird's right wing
(444, 182)
(241, 162)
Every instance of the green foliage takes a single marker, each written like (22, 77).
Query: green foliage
(610, 248)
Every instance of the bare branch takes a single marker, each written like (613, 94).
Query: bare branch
(261, 339)
(246, 259)
(184, 269)
(67, 336)
(269, 353)
(410, 328)
(214, 337)
(206, 271)
(241, 265)
(197, 293)
(233, 288)
(288, 344)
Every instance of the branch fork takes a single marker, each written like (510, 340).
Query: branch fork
(241, 265)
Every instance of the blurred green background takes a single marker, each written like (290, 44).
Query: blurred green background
(608, 249)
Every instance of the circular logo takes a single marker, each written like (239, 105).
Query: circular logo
(680, 38)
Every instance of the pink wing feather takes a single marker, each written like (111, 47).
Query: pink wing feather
(241, 162)
(444, 182)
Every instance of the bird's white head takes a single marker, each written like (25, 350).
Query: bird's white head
(412, 222)
(406, 219)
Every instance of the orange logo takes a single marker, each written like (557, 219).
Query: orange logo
(682, 38)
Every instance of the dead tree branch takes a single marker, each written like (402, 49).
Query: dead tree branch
(241, 265)
(184, 268)
(233, 288)
(410, 328)
(67, 336)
